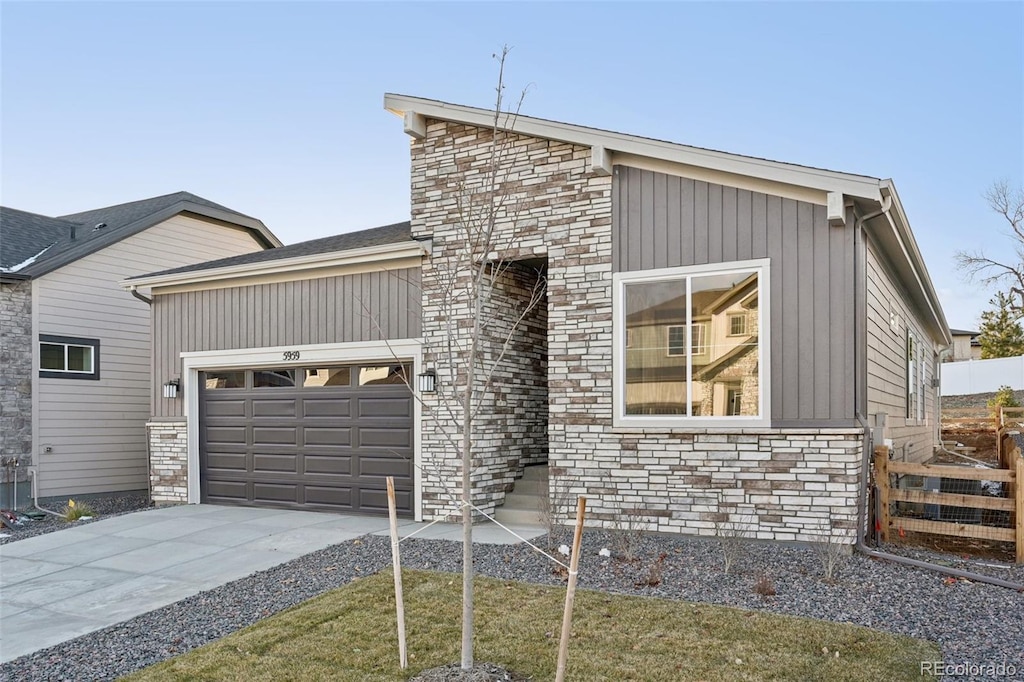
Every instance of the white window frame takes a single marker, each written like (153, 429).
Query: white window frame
(93, 345)
(910, 357)
(668, 341)
(701, 348)
(620, 280)
(736, 316)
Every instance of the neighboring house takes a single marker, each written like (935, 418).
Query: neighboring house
(966, 346)
(75, 347)
(722, 340)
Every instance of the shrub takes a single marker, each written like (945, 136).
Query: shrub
(732, 535)
(78, 510)
(1004, 397)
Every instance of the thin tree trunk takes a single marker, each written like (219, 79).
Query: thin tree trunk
(467, 490)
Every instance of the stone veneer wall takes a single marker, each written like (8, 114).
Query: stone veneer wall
(511, 420)
(780, 484)
(16, 376)
(168, 462)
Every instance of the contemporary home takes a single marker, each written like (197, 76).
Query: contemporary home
(75, 346)
(689, 337)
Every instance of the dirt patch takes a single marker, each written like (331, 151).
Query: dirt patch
(965, 548)
(984, 442)
(481, 672)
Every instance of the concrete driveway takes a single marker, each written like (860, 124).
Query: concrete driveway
(64, 584)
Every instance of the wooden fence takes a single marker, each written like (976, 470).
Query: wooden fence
(1012, 505)
(1011, 422)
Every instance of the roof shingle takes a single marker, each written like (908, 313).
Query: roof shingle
(386, 234)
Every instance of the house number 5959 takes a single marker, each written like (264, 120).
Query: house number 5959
(291, 355)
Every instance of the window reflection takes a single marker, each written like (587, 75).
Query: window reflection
(273, 378)
(384, 374)
(693, 346)
(225, 380)
(330, 376)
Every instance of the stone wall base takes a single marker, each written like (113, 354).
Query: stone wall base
(777, 485)
(168, 462)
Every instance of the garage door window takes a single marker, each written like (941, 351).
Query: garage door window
(216, 380)
(273, 378)
(327, 377)
(384, 374)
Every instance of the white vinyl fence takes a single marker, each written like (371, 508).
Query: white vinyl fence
(982, 376)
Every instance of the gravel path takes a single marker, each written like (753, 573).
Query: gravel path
(974, 623)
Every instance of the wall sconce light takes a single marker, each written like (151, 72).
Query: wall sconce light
(171, 388)
(427, 381)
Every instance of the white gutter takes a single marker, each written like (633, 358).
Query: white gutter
(913, 256)
(378, 253)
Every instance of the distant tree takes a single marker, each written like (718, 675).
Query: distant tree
(1008, 272)
(1001, 334)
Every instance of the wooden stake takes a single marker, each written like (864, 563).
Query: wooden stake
(397, 563)
(882, 480)
(1019, 483)
(570, 592)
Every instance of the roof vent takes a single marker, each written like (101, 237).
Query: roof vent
(99, 226)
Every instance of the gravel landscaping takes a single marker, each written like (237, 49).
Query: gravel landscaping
(974, 623)
(104, 506)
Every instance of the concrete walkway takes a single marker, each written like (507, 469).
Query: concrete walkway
(64, 584)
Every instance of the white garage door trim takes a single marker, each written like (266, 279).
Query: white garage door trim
(297, 356)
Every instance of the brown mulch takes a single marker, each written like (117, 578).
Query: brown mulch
(481, 672)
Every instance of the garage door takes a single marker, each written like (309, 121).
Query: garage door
(310, 438)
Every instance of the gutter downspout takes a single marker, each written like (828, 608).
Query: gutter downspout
(35, 498)
(145, 299)
(860, 544)
(133, 290)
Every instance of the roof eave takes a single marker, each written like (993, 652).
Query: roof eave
(379, 252)
(609, 143)
(263, 235)
(911, 256)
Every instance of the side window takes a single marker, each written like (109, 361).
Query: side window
(691, 346)
(66, 357)
(915, 377)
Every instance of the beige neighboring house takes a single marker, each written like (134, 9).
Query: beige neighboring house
(966, 345)
(75, 347)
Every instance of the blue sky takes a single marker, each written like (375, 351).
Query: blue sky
(275, 109)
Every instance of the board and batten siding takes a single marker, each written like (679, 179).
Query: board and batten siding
(913, 439)
(367, 306)
(96, 430)
(663, 221)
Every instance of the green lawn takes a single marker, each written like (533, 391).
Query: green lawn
(349, 634)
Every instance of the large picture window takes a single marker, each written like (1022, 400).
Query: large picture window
(65, 357)
(697, 345)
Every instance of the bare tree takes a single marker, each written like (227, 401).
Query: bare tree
(480, 313)
(1008, 272)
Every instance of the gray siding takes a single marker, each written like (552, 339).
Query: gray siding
(661, 220)
(361, 307)
(96, 430)
(913, 439)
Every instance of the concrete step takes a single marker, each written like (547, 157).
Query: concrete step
(532, 487)
(522, 517)
(520, 501)
(535, 472)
